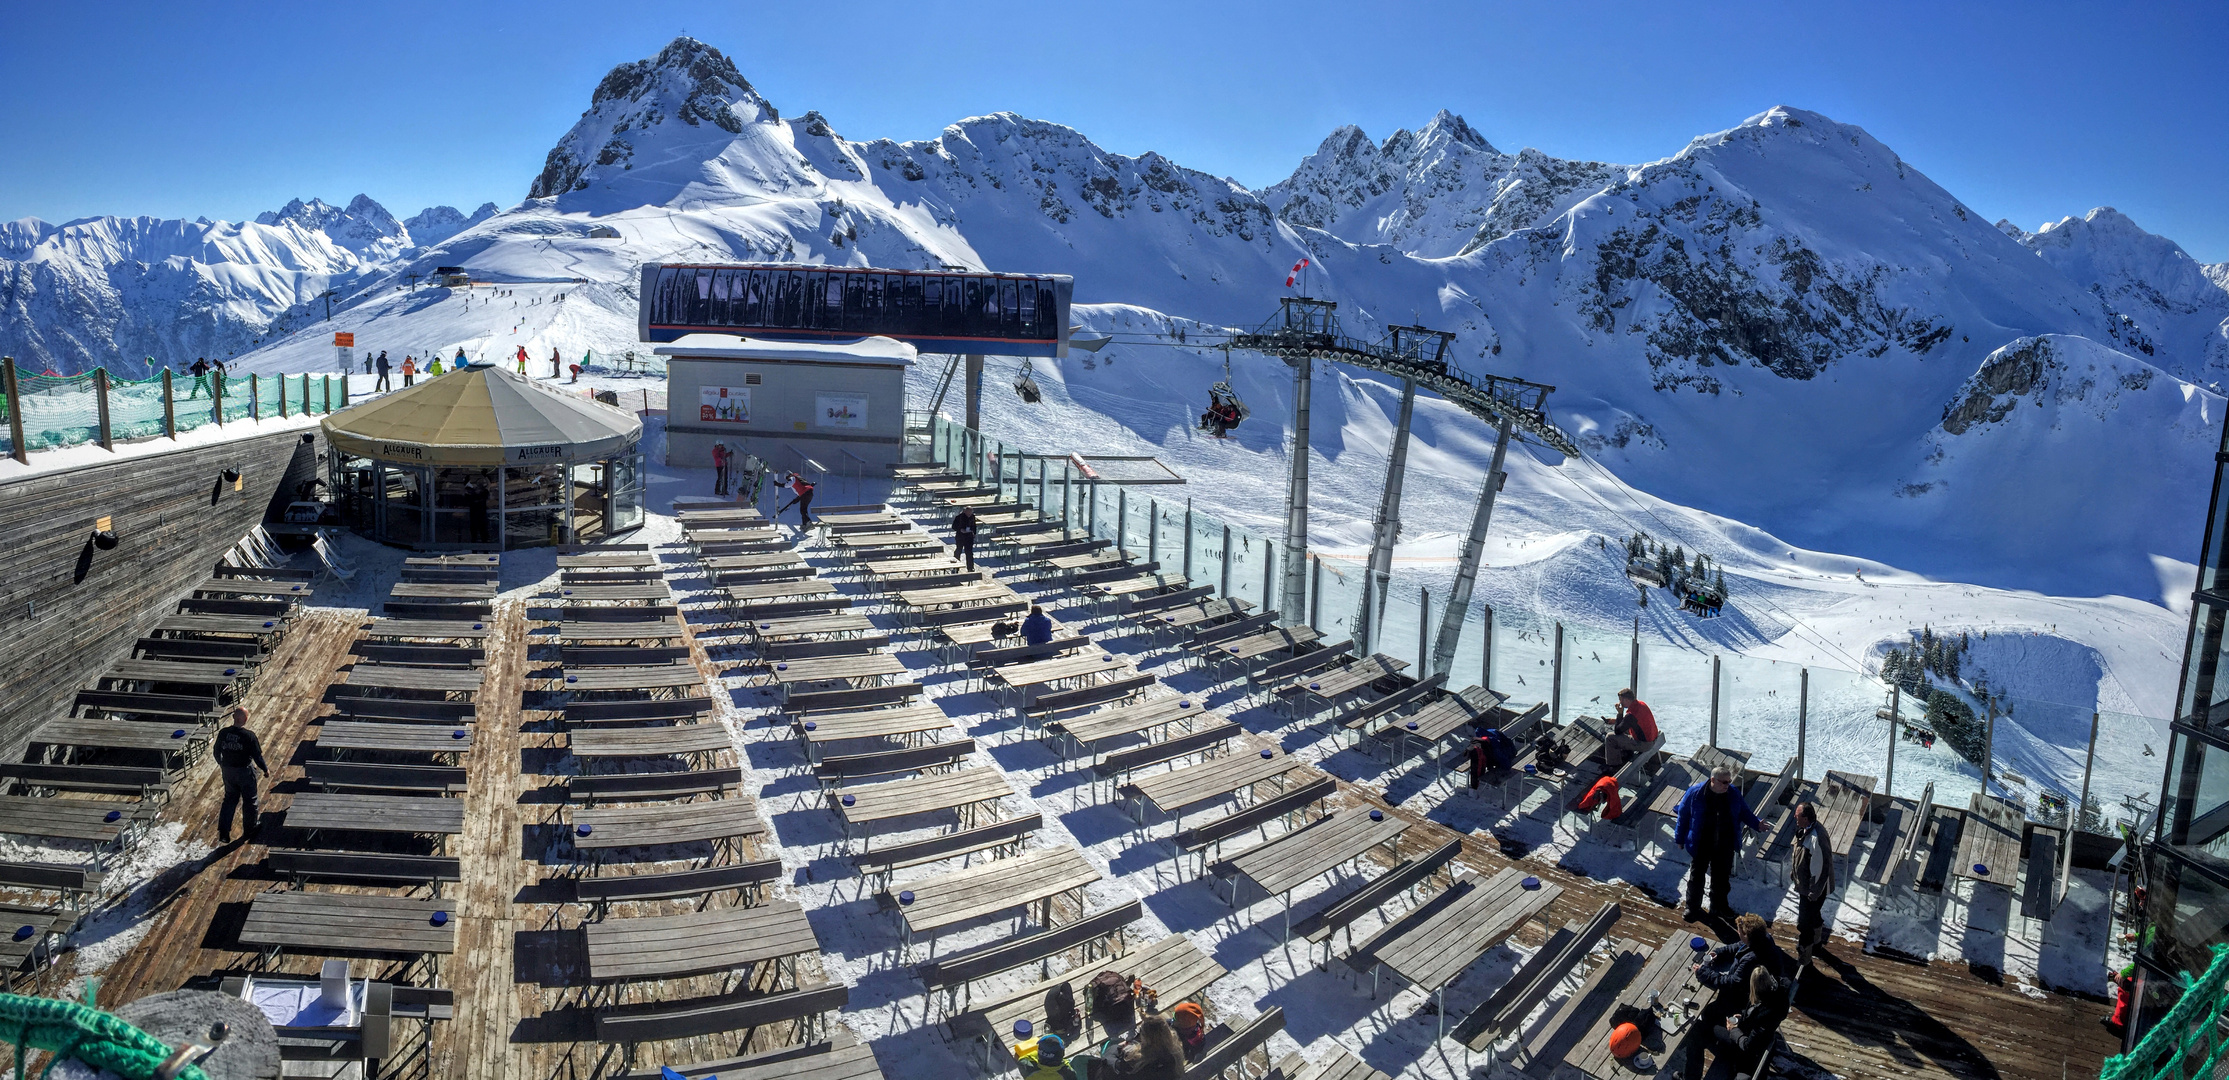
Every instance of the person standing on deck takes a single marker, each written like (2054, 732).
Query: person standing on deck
(802, 489)
(1711, 816)
(963, 535)
(553, 362)
(200, 373)
(720, 460)
(382, 384)
(1633, 731)
(239, 755)
(1811, 870)
(522, 359)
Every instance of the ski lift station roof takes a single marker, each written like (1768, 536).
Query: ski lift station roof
(482, 415)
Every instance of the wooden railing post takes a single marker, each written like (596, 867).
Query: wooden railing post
(216, 397)
(15, 410)
(170, 408)
(344, 390)
(282, 395)
(100, 398)
(255, 397)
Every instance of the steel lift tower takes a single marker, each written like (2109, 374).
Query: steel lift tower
(1307, 329)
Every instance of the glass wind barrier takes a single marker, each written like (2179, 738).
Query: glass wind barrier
(1763, 708)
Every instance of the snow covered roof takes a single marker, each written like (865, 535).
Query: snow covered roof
(481, 415)
(865, 350)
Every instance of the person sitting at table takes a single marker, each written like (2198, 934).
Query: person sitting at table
(1037, 629)
(1745, 1036)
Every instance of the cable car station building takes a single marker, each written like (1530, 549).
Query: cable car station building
(783, 360)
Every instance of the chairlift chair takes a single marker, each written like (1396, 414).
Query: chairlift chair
(1026, 386)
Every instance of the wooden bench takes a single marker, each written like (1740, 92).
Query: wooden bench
(361, 707)
(1359, 718)
(653, 785)
(147, 783)
(1201, 840)
(1559, 1035)
(183, 648)
(124, 702)
(420, 655)
(747, 879)
(691, 741)
(413, 779)
(1363, 899)
(854, 698)
(623, 712)
(1039, 707)
(1000, 838)
(832, 771)
(962, 790)
(73, 819)
(1116, 768)
(839, 1058)
(951, 977)
(418, 609)
(628, 1026)
(2039, 886)
(977, 892)
(580, 656)
(1899, 836)
(300, 866)
(1230, 1053)
(807, 649)
(1432, 945)
(1337, 1065)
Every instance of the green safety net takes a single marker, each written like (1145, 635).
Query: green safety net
(58, 411)
(84, 1033)
(135, 409)
(2189, 1042)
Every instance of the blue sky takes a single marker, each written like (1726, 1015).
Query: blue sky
(2026, 110)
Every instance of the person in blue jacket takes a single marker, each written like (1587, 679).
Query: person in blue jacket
(1037, 630)
(1711, 816)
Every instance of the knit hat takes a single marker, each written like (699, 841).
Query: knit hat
(1050, 1050)
(1191, 1011)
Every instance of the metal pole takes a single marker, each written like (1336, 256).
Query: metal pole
(1895, 728)
(170, 412)
(975, 391)
(16, 448)
(2074, 815)
(1368, 629)
(1296, 495)
(1091, 512)
(1315, 592)
(1388, 524)
(1067, 495)
(1271, 602)
(1633, 670)
(1188, 539)
(1226, 582)
(1042, 471)
(1989, 748)
(1486, 665)
(1423, 619)
(100, 398)
(1803, 718)
(1555, 680)
(1474, 549)
(1714, 700)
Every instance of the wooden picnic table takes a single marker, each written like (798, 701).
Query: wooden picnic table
(327, 922)
(459, 559)
(1089, 560)
(697, 943)
(994, 886)
(759, 561)
(960, 789)
(715, 515)
(94, 733)
(842, 623)
(625, 560)
(1845, 802)
(175, 671)
(1135, 585)
(394, 738)
(862, 542)
(1175, 968)
(1193, 614)
(647, 593)
(427, 629)
(899, 568)
(284, 590)
(701, 537)
(413, 590)
(877, 666)
(640, 630)
(1712, 757)
(1091, 662)
(1264, 643)
(1173, 791)
(653, 677)
(676, 739)
(1666, 974)
(979, 593)
(1672, 783)
(1450, 714)
(242, 625)
(404, 677)
(1091, 729)
(1330, 685)
(409, 814)
(870, 724)
(659, 824)
(67, 819)
(1991, 839)
(1431, 953)
(779, 590)
(1301, 855)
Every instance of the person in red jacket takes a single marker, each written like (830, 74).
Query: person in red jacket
(719, 468)
(1633, 731)
(803, 500)
(1604, 794)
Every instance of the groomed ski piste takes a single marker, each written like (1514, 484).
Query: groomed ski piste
(1324, 1010)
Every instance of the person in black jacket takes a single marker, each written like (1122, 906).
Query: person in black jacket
(1745, 1037)
(963, 535)
(239, 754)
(1729, 967)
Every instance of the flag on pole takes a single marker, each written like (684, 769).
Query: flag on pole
(1295, 274)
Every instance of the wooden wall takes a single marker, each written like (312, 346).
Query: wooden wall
(67, 609)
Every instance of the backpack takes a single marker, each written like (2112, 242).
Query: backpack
(1500, 749)
(1005, 629)
(1111, 1000)
(1060, 1010)
(1639, 1017)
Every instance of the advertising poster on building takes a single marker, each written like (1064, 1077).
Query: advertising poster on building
(840, 410)
(726, 404)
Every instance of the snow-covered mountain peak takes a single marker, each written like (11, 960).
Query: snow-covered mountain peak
(435, 224)
(363, 227)
(689, 99)
(2160, 301)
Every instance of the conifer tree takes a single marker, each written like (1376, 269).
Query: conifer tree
(1718, 583)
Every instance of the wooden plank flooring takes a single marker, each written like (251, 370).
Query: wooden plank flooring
(518, 975)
